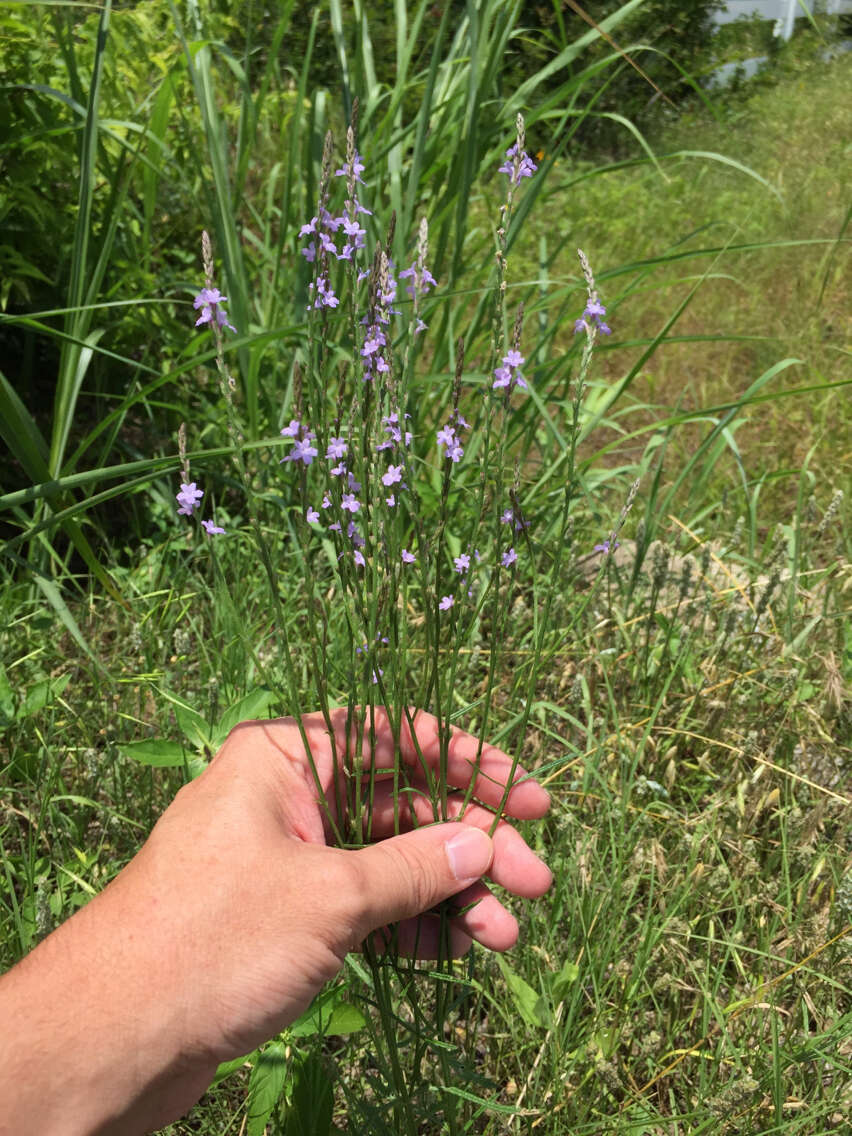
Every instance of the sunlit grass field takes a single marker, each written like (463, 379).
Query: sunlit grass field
(690, 970)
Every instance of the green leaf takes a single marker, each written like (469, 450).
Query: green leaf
(38, 695)
(229, 1067)
(193, 727)
(155, 751)
(529, 1003)
(254, 705)
(7, 700)
(266, 1084)
(566, 977)
(313, 1100)
(336, 1020)
(605, 1040)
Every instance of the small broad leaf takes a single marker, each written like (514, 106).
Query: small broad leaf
(254, 705)
(7, 700)
(155, 751)
(192, 726)
(266, 1084)
(605, 1041)
(566, 978)
(337, 1020)
(229, 1067)
(38, 696)
(530, 1004)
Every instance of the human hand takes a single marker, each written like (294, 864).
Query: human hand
(236, 912)
(287, 908)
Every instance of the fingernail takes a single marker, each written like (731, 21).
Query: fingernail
(469, 854)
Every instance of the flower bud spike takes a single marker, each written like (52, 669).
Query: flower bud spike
(518, 328)
(458, 374)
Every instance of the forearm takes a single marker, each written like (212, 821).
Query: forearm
(94, 1026)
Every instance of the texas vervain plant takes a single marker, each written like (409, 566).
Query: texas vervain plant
(692, 709)
(391, 566)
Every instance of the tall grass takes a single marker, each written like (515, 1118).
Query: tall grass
(692, 715)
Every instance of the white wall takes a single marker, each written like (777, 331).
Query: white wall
(785, 12)
(769, 9)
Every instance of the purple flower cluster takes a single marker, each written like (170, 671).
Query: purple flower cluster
(423, 281)
(303, 448)
(211, 302)
(189, 498)
(593, 311)
(509, 374)
(518, 165)
(373, 350)
(508, 517)
(326, 230)
(449, 438)
(341, 237)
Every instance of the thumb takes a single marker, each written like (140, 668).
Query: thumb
(405, 875)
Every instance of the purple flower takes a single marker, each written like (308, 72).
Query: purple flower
(390, 501)
(506, 517)
(606, 547)
(352, 169)
(302, 451)
(212, 529)
(462, 562)
(509, 374)
(210, 300)
(518, 166)
(188, 498)
(446, 603)
(325, 297)
(293, 429)
(393, 475)
(421, 284)
(593, 311)
(509, 558)
(359, 558)
(311, 516)
(336, 449)
(408, 557)
(350, 502)
(446, 436)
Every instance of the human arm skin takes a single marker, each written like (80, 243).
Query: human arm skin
(232, 917)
